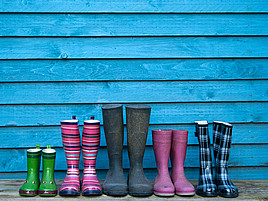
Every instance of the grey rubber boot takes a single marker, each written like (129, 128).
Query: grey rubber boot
(138, 117)
(115, 183)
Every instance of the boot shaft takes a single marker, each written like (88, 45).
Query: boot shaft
(138, 117)
(179, 148)
(114, 133)
(162, 139)
(71, 142)
(90, 142)
(48, 156)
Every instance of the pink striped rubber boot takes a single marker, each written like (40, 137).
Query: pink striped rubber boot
(178, 153)
(90, 145)
(162, 144)
(71, 144)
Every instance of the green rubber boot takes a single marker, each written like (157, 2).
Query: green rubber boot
(30, 186)
(48, 185)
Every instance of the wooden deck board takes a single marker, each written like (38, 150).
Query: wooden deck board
(249, 190)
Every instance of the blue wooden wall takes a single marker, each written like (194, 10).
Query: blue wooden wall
(189, 60)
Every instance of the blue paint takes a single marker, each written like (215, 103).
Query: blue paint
(216, 71)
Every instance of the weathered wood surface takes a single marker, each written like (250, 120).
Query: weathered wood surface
(168, 113)
(133, 47)
(241, 155)
(137, 6)
(248, 190)
(27, 137)
(135, 69)
(133, 92)
(133, 25)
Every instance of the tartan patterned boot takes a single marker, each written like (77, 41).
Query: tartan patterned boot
(71, 144)
(206, 187)
(90, 146)
(222, 139)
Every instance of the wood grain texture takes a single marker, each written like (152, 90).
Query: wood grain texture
(241, 155)
(133, 24)
(27, 137)
(155, 6)
(168, 113)
(133, 47)
(137, 69)
(242, 173)
(133, 92)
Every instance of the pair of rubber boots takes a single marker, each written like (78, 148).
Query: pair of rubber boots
(222, 138)
(171, 143)
(72, 147)
(32, 186)
(137, 119)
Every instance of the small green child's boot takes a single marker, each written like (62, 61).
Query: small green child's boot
(48, 185)
(30, 186)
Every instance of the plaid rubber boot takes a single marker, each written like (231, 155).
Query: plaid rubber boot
(222, 135)
(206, 187)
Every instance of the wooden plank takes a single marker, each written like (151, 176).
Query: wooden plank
(138, 69)
(243, 173)
(133, 47)
(133, 25)
(169, 113)
(27, 137)
(254, 190)
(133, 92)
(140, 6)
(241, 155)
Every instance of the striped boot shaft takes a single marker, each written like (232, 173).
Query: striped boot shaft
(90, 145)
(222, 147)
(71, 144)
(206, 186)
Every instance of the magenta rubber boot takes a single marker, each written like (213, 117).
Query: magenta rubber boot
(178, 153)
(162, 144)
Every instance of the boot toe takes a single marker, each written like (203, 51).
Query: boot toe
(140, 190)
(228, 192)
(185, 190)
(209, 191)
(115, 189)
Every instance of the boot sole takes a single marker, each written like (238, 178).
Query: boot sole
(164, 194)
(28, 193)
(228, 196)
(140, 194)
(115, 193)
(47, 193)
(91, 192)
(69, 193)
(207, 194)
(185, 194)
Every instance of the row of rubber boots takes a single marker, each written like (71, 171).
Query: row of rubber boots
(137, 117)
(32, 185)
(222, 138)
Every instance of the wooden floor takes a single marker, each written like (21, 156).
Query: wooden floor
(249, 190)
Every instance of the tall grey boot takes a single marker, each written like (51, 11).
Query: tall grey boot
(138, 117)
(115, 183)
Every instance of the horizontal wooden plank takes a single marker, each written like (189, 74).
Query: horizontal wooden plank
(166, 6)
(138, 69)
(169, 113)
(133, 92)
(133, 47)
(243, 173)
(241, 155)
(26, 137)
(132, 25)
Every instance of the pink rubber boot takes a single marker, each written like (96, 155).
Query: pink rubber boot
(162, 143)
(178, 153)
